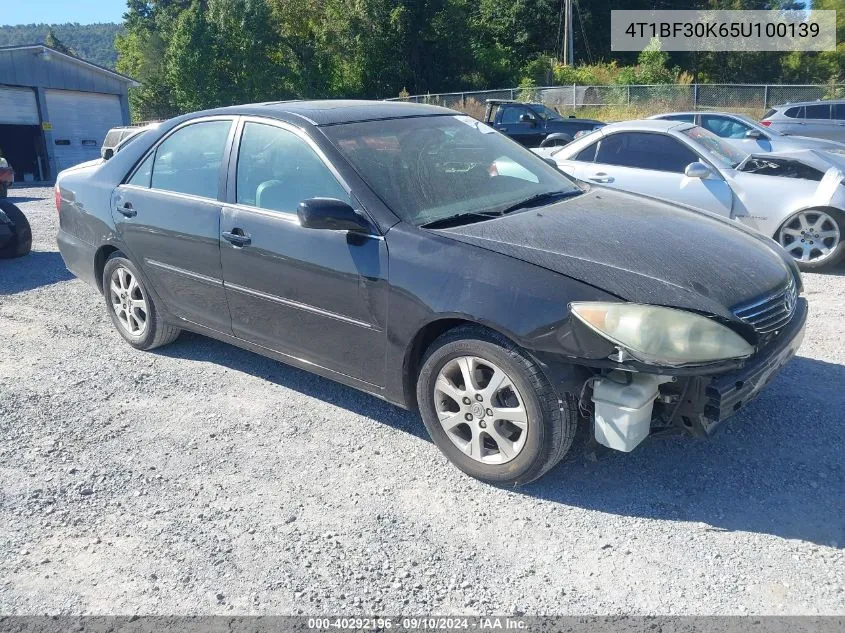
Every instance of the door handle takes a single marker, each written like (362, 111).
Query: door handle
(237, 237)
(601, 177)
(127, 209)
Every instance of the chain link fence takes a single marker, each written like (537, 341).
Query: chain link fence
(626, 102)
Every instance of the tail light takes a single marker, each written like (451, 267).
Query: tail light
(58, 199)
(766, 123)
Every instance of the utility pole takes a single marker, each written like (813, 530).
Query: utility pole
(568, 41)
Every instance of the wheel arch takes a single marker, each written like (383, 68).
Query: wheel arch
(100, 258)
(422, 340)
(812, 207)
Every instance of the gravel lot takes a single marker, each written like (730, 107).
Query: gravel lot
(201, 478)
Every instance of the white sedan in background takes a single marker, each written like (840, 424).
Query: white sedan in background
(748, 136)
(797, 198)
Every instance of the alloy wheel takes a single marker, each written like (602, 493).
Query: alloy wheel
(810, 236)
(481, 410)
(128, 301)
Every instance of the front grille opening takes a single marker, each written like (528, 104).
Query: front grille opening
(770, 313)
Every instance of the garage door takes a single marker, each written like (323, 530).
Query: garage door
(80, 123)
(18, 106)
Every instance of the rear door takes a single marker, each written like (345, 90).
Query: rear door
(817, 121)
(316, 295)
(653, 164)
(168, 214)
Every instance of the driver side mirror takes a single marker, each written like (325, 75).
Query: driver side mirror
(108, 153)
(331, 214)
(527, 118)
(752, 133)
(697, 170)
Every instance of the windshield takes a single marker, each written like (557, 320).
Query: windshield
(544, 112)
(716, 147)
(431, 168)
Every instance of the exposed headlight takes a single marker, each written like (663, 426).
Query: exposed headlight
(662, 335)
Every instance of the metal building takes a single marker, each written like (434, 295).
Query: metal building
(55, 109)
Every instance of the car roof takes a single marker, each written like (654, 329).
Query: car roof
(806, 103)
(646, 125)
(333, 111)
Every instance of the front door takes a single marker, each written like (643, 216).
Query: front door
(316, 295)
(653, 164)
(168, 214)
(521, 124)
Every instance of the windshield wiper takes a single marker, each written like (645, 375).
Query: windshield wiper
(458, 219)
(539, 199)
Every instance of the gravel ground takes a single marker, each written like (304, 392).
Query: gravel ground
(201, 478)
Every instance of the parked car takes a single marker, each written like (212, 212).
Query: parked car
(119, 137)
(534, 124)
(381, 245)
(7, 177)
(797, 198)
(820, 119)
(748, 136)
(15, 233)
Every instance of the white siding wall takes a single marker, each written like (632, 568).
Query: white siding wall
(18, 106)
(80, 122)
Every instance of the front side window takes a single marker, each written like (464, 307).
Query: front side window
(511, 114)
(277, 170)
(588, 154)
(429, 168)
(724, 127)
(188, 161)
(686, 118)
(142, 175)
(544, 112)
(641, 150)
(819, 111)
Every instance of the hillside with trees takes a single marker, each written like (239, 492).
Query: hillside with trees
(192, 54)
(93, 42)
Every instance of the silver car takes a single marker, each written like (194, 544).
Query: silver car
(797, 198)
(820, 119)
(746, 134)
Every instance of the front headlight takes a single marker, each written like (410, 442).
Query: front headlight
(662, 335)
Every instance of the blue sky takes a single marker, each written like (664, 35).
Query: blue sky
(60, 11)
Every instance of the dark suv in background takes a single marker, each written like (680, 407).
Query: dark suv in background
(535, 124)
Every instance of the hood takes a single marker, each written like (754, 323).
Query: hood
(639, 249)
(809, 142)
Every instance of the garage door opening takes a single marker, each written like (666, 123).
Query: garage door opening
(23, 148)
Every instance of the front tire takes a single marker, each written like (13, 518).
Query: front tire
(21, 243)
(491, 410)
(131, 306)
(815, 238)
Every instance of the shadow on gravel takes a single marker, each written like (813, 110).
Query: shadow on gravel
(197, 347)
(39, 268)
(776, 468)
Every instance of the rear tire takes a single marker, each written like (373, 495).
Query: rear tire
(464, 421)
(131, 306)
(806, 231)
(21, 243)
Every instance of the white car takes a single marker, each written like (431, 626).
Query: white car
(747, 135)
(797, 198)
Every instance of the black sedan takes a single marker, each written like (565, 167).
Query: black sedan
(417, 254)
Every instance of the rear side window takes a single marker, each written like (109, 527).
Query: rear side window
(657, 152)
(277, 170)
(819, 111)
(188, 161)
(724, 127)
(795, 113)
(588, 154)
(769, 113)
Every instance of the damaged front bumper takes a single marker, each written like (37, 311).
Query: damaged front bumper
(710, 400)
